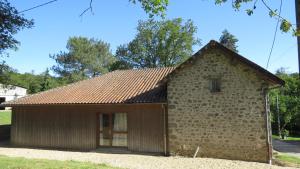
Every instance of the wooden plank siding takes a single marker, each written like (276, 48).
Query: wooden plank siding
(76, 126)
(53, 127)
(146, 130)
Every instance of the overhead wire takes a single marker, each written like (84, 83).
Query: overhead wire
(275, 35)
(43, 4)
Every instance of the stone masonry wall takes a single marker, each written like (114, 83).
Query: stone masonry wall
(229, 124)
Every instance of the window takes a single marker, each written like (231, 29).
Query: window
(113, 129)
(215, 85)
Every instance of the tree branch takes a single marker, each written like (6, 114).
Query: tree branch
(90, 8)
(271, 10)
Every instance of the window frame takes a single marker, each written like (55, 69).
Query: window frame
(112, 131)
(215, 85)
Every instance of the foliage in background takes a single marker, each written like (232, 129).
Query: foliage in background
(10, 23)
(159, 8)
(35, 83)
(85, 58)
(229, 40)
(4, 73)
(289, 103)
(158, 44)
(153, 7)
(285, 25)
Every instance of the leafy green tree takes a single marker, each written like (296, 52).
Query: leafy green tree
(159, 44)
(120, 65)
(48, 82)
(229, 40)
(30, 81)
(45, 83)
(289, 103)
(153, 7)
(5, 73)
(159, 7)
(10, 23)
(85, 58)
(35, 83)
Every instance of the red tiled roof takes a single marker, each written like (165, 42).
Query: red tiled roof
(122, 86)
(128, 86)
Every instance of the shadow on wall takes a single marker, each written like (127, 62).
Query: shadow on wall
(4, 132)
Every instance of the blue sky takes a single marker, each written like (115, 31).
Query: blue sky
(115, 21)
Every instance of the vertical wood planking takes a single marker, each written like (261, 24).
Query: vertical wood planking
(145, 129)
(75, 126)
(52, 127)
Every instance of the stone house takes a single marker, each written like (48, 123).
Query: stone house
(212, 105)
(10, 92)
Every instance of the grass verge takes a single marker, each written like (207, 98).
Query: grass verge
(5, 117)
(23, 163)
(286, 160)
(290, 138)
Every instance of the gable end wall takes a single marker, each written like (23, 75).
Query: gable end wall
(230, 124)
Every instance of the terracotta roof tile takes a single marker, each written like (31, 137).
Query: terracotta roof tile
(122, 86)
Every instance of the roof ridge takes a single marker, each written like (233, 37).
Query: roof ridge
(146, 68)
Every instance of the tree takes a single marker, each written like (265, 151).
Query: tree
(120, 65)
(46, 82)
(10, 23)
(289, 103)
(153, 7)
(159, 44)
(229, 40)
(85, 58)
(5, 74)
(35, 83)
(159, 7)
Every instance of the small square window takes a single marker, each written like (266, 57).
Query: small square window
(215, 85)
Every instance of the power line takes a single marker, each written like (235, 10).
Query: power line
(46, 3)
(283, 53)
(275, 34)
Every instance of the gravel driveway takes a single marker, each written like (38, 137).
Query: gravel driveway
(134, 161)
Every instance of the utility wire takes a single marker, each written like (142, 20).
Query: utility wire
(275, 34)
(46, 3)
(284, 53)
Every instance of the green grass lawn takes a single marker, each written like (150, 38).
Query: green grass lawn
(22, 163)
(287, 160)
(290, 138)
(5, 117)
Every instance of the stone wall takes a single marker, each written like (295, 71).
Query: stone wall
(230, 124)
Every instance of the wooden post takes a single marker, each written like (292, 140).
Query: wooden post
(165, 130)
(278, 116)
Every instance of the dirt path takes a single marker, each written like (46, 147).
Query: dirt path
(134, 161)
